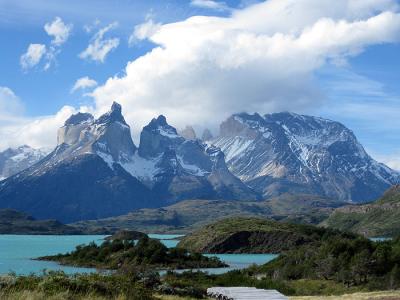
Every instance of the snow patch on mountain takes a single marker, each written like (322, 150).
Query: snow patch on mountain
(236, 147)
(167, 133)
(143, 169)
(14, 160)
(191, 168)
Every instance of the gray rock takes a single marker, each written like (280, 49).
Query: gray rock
(207, 135)
(188, 133)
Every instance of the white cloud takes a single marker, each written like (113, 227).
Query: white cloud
(391, 160)
(210, 4)
(37, 132)
(144, 31)
(32, 56)
(90, 27)
(58, 30)
(38, 52)
(16, 129)
(84, 83)
(262, 58)
(10, 104)
(100, 47)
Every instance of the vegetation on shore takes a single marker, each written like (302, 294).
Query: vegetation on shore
(126, 235)
(137, 283)
(119, 254)
(79, 286)
(253, 235)
(380, 218)
(351, 262)
(312, 261)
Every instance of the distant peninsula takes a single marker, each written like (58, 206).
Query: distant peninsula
(16, 222)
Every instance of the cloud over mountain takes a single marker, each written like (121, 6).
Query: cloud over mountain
(261, 58)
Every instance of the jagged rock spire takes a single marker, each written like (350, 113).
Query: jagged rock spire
(207, 135)
(114, 115)
(78, 118)
(157, 136)
(188, 133)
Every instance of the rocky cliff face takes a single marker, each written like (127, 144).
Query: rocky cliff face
(82, 178)
(96, 171)
(286, 152)
(186, 169)
(14, 160)
(188, 133)
(207, 135)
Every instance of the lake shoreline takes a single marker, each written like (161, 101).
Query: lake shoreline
(19, 253)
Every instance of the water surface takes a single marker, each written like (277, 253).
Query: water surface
(17, 251)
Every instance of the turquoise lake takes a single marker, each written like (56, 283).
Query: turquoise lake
(17, 251)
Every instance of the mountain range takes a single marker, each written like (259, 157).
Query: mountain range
(96, 170)
(14, 160)
(287, 152)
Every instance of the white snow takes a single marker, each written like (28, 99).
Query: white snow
(267, 134)
(123, 125)
(19, 157)
(107, 158)
(142, 168)
(234, 147)
(167, 133)
(193, 169)
(102, 146)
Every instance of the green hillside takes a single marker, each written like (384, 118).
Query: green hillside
(378, 219)
(251, 235)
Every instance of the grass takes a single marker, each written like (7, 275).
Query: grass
(321, 287)
(169, 297)
(36, 295)
(382, 295)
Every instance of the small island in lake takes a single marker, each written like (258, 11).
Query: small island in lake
(150, 253)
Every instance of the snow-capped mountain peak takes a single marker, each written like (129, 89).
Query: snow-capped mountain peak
(14, 160)
(290, 152)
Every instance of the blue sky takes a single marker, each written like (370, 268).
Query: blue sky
(230, 56)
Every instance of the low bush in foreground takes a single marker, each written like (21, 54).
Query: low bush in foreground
(79, 285)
